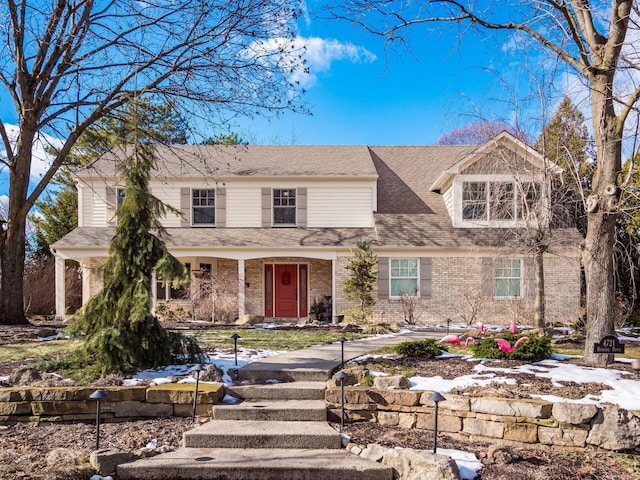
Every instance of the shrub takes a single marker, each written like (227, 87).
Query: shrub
(428, 348)
(537, 348)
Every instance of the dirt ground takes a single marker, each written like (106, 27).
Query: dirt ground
(61, 452)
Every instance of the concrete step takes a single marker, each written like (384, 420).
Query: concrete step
(273, 410)
(262, 434)
(261, 372)
(257, 464)
(279, 391)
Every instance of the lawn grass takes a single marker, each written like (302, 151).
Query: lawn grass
(281, 340)
(629, 351)
(17, 352)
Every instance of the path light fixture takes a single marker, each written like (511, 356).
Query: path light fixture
(235, 337)
(342, 340)
(448, 324)
(97, 396)
(195, 369)
(341, 376)
(436, 398)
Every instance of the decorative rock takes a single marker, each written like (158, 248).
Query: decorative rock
(373, 452)
(419, 465)
(615, 429)
(391, 382)
(407, 420)
(24, 376)
(106, 460)
(573, 413)
(500, 455)
(211, 373)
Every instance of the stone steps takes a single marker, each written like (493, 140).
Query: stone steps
(273, 410)
(280, 391)
(262, 434)
(255, 464)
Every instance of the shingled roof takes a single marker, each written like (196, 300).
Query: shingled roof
(409, 214)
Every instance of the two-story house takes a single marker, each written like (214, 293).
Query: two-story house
(283, 221)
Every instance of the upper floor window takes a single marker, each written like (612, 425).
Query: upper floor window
(284, 206)
(204, 206)
(403, 276)
(498, 200)
(508, 278)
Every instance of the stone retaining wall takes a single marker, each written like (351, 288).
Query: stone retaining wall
(72, 404)
(517, 421)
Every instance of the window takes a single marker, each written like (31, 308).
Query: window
(284, 206)
(498, 201)
(165, 291)
(204, 206)
(508, 278)
(474, 201)
(404, 276)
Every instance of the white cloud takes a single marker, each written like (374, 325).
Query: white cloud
(307, 57)
(42, 143)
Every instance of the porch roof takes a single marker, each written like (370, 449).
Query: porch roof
(391, 231)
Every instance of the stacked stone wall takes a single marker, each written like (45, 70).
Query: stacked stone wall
(502, 420)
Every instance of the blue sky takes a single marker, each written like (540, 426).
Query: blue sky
(395, 97)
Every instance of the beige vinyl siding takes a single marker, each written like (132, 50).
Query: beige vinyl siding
(85, 206)
(449, 201)
(340, 206)
(95, 207)
(170, 195)
(244, 206)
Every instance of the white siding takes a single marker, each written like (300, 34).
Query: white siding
(339, 206)
(244, 206)
(171, 196)
(449, 201)
(97, 206)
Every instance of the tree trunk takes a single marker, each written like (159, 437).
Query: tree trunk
(11, 287)
(602, 211)
(12, 254)
(539, 298)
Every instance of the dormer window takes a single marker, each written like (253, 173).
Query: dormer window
(500, 202)
(284, 206)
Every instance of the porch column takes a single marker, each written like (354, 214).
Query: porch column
(333, 288)
(86, 282)
(154, 292)
(241, 287)
(59, 286)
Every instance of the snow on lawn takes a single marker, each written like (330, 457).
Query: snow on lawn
(624, 386)
(224, 359)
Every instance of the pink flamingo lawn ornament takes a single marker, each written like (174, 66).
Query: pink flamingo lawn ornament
(455, 340)
(506, 347)
(513, 328)
(481, 326)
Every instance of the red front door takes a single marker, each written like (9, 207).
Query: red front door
(286, 290)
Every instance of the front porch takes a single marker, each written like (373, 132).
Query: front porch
(226, 288)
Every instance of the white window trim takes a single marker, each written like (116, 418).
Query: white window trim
(458, 183)
(391, 277)
(509, 297)
(215, 200)
(273, 208)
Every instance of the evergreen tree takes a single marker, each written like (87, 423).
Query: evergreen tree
(565, 140)
(361, 280)
(121, 334)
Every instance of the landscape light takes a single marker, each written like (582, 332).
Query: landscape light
(196, 369)
(97, 396)
(436, 398)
